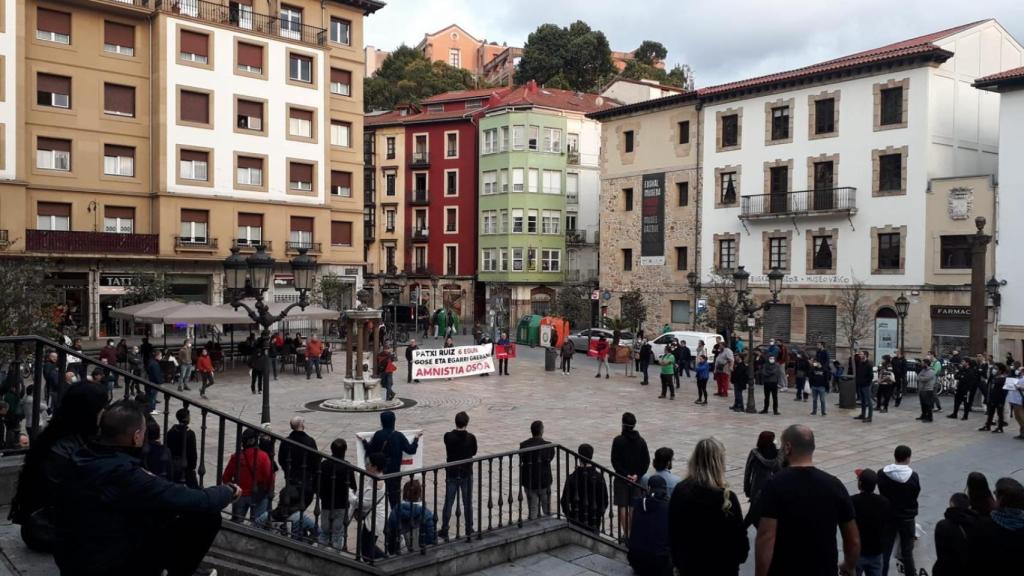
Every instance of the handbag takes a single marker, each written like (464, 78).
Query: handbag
(807, 387)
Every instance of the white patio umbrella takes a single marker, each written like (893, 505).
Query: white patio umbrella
(135, 311)
(311, 312)
(200, 313)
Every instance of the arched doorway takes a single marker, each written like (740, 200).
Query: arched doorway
(886, 333)
(542, 301)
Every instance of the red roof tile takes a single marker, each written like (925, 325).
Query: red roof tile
(456, 95)
(558, 99)
(1015, 75)
(385, 119)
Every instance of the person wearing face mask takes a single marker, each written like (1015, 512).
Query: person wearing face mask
(771, 375)
(117, 519)
(926, 390)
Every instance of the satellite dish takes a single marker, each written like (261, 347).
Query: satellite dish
(599, 100)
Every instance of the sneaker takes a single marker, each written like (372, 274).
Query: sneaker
(608, 376)
(598, 375)
(155, 413)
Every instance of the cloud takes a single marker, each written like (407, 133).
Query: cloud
(723, 40)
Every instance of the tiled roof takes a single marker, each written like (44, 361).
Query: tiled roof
(439, 116)
(1014, 76)
(456, 95)
(531, 95)
(384, 119)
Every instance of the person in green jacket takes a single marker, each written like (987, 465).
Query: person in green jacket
(668, 369)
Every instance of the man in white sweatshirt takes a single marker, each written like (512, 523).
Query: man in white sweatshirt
(370, 511)
(901, 486)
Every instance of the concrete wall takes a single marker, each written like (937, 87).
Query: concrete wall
(1009, 232)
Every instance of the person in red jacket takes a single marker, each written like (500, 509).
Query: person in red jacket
(601, 349)
(250, 469)
(204, 364)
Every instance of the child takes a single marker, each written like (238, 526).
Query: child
(703, 373)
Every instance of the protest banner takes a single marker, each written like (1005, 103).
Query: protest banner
(409, 461)
(454, 362)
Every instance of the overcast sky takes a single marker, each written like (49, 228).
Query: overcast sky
(722, 40)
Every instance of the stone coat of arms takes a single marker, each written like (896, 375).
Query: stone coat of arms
(960, 200)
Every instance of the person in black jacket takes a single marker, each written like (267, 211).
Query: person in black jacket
(901, 486)
(951, 537)
(994, 546)
(630, 459)
(393, 444)
(53, 380)
(409, 349)
(300, 465)
(763, 463)
(649, 552)
(459, 444)
(740, 381)
(864, 375)
(706, 529)
(899, 371)
(116, 519)
(336, 480)
(184, 457)
(872, 512)
(645, 358)
(967, 380)
(535, 472)
(156, 457)
(585, 494)
(155, 374)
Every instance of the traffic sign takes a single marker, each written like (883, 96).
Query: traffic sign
(595, 294)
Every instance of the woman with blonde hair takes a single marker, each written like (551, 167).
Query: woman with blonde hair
(706, 530)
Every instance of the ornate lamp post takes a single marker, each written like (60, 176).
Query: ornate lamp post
(693, 279)
(902, 307)
(746, 305)
(979, 248)
(996, 299)
(257, 270)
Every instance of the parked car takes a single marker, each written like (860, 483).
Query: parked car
(691, 339)
(582, 338)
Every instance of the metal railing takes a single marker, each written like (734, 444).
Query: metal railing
(236, 15)
(419, 197)
(201, 244)
(247, 246)
(419, 159)
(312, 247)
(804, 202)
(136, 3)
(91, 242)
(576, 237)
(577, 275)
(572, 158)
(420, 234)
(494, 487)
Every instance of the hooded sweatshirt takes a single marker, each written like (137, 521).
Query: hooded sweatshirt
(951, 542)
(759, 470)
(901, 486)
(459, 445)
(648, 538)
(391, 443)
(994, 544)
(630, 455)
(705, 538)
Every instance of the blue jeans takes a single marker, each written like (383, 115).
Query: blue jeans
(185, 373)
(738, 404)
(868, 565)
(312, 363)
(333, 523)
(454, 486)
(246, 506)
(818, 396)
(867, 405)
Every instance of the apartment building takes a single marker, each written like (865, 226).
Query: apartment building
(649, 205)
(153, 137)
(384, 191)
(868, 168)
(539, 185)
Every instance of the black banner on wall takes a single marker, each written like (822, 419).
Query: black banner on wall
(652, 218)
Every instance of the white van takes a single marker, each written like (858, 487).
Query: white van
(691, 338)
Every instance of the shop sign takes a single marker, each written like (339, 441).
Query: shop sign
(116, 280)
(959, 312)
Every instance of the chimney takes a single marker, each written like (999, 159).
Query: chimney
(531, 87)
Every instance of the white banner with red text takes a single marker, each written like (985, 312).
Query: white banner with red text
(454, 362)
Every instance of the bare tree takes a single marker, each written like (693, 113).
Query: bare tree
(27, 299)
(854, 317)
(573, 303)
(634, 309)
(724, 315)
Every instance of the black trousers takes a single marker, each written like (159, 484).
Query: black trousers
(256, 380)
(644, 365)
(177, 547)
(981, 387)
(566, 364)
(959, 398)
(901, 385)
(905, 529)
(667, 389)
(408, 374)
(503, 366)
(884, 395)
(702, 389)
(996, 405)
(771, 391)
(927, 399)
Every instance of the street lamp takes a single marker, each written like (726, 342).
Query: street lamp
(902, 306)
(746, 305)
(258, 270)
(996, 299)
(979, 249)
(693, 279)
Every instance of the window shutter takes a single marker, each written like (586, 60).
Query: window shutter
(341, 233)
(302, 224)
(117, 98)
(243, 2)
(194, 156)
(342, 179)
(53, 21)
(250, 162)
(53, 209)
(119, 212)
(121, 151)
(201, 216)
(250, 108)
(301, 172)
(194, 43)
(55, 144)
(195, 107)
(118, 34)
(254, 220)
(343, 76)
(300, 114)
(53, 83)
(250, 55)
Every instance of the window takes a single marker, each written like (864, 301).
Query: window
(488, 260)
(435, 107)
(118, 219)
(628, 135)
(341, 133)
(53, 216)
(503, 142)
(889, 251)
(250, 115)
(194, 226)
(341, 31)
(455, 57)
(474, 104)
(451, 219)
(53, 26)
(517, 179)
(250, 58)
(627, 259)
(490, 222)
(780, 123)
(420, 258)
(118, 160)
(825, 116)
(728, 188)
(451, 260)
(551, 222)
(389, 144)
(550, 260)
(572, 187)
(451, 145)
(390, 216)
(341, 233)
(300, 176)
(778, 253)
(778, 180)
(490, 141)
(681, 257)
(250, 171)
(490, 182)
(533, 180)
(419, 154)
(300, 123)
(890, 172)
(570, 222)
(300, 68)
(390, 182)
(955, 252)
(194, 107)
(53, 154)
(518, 137)
(194, 47)
(503, 221)
(291, 21)
(727, 254)
(341, 82)
(517, 259)
(240, 13)
(531, 221)
(683, 193)
(680, 311)
(532, 137)
(53, 91)
(552, 182)
(824, 177)
(684, 131)
(503, 180)
(118, 100)
(301, 232)
(390, 253)
(341, 184)
(627, 199)
(118, 38)
(517, 221)
(892, 106)
(193, 165)
(822, 259)
(250, 229)
(730, 130)
(552, 140)
(420, 222)
(503, 259)
(451, 183)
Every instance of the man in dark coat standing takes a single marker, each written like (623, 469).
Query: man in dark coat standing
(585, 495)
(630, 458)
(864, 375)
(535, 472)
(155, 374)
(184, 457)
(409, 349)
(393, 444)
(300, 466)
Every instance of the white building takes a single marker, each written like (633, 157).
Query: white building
(851, 171)
(1009, 234)
(583, 172)
(629, 91)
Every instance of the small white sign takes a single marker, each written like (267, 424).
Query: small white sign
(751, 321)
(652, 260)
(595, 294)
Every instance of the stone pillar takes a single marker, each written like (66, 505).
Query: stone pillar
(979, 312)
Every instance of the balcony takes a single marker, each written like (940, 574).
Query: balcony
(572, 158)
(580, 275)
(244, 245)
(826, 201)
(182, 244)
(420, 235)
(293, 247)
(248, 20)
(56, 241)
(575, 237)
(419, 160)
(419, 198)
(572, 198)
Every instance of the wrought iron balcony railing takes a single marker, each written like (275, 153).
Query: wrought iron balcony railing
(311, 247)
(182, 243)
(240, 16)
(91, 242)
(803, 203)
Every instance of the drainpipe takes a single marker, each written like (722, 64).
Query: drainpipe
(699, 200)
